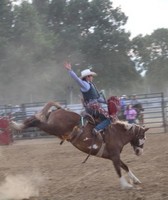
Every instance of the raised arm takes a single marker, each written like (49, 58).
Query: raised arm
(83, 84)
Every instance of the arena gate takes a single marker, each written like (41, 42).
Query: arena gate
(155, 111)
(5, 133)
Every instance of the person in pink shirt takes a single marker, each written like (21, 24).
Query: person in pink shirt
(130, 114)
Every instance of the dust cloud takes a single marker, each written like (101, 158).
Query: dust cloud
(34, 85)
(21, 186)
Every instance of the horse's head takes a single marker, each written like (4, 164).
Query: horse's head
(138, 139)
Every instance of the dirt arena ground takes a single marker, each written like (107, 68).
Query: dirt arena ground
(41, 169)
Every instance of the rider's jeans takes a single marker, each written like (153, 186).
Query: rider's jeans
(102, 125)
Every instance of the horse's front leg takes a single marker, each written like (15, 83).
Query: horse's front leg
(117, 165)
(130, 174)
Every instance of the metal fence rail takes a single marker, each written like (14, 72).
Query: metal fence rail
(155, 114)
(20, 112)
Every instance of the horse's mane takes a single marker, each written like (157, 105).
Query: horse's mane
(122, 125)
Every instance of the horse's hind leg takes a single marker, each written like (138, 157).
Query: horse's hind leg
(42, 115)
(48, 105)
(130, 174)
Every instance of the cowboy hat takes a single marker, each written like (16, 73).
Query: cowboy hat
(87, 72)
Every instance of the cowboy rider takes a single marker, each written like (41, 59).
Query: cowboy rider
(91, 95)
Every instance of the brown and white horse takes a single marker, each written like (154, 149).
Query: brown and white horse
(66, 125)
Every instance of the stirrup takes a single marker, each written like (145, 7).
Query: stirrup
(97, 134)
(94, 131)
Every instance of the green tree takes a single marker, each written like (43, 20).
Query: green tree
(42, 34)
(6, 21)
(151, 54)
(31, 33)
(91, 33)
(28, 51)
(41, 6)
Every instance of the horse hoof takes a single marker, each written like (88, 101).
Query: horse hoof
(127, 186)
(124, 184)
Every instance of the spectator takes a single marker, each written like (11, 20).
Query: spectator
(123, 102)
(130, 114)
(134, 100)
(123, 105)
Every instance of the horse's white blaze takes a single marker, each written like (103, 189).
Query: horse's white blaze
(133, 177)
(124, 184)
(141, 141)
(16, 126)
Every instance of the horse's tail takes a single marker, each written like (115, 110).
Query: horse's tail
(42, 115)
(16, 126)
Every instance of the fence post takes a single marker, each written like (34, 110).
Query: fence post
(163, 113)
(166, 116)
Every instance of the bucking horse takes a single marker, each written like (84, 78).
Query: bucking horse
(67, 126)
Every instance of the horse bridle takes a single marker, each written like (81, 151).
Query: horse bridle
(141, 141)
